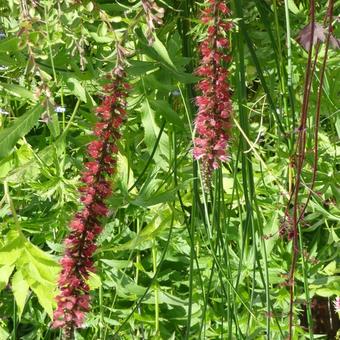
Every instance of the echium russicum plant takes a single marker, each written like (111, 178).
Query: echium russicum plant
(77, 262)
(212, 123)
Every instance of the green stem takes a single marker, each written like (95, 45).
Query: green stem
(75, 110)
(155, 285)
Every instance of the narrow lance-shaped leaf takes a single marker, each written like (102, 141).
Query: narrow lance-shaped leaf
(9, 136)
(18, 91)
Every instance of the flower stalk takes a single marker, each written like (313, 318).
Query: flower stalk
(77, 262)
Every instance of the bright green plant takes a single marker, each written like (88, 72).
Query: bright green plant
(174, 260)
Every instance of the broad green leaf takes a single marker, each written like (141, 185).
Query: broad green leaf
(102, 29)
(22, 125)
(42, 256)
(163, 108)
(94, 281)
(160, 222)
(18, 91)
(44, 269)
(168, 299)
(328, 292)
(46, 296)
(138, 68)
(126, 176)
(7, 60)
(101, 39)
(167, 196)
(9, 44)
(76, 88)
(185, 78)
(29, 170)
(330, 269)
(32, 272)
(152, 131)
(130, 290)
(4, 335)
(117, 264)
(5, 273)
(89, 6)
(56, 247)
(53, 125)
(19, 157)
(20, 290)
(11, 251)
(163, 53)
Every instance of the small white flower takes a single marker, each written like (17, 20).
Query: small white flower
(176, 93)
(3, 112)
(3, 68)
(60, 109)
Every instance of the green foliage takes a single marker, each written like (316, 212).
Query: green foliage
(34, 269)
(174, 261)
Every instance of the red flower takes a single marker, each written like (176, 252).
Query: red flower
(77, 263)
(212, 122)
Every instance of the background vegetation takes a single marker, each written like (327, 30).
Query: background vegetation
(174, 261)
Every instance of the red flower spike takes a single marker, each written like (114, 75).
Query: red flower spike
(212, 122)
(77, 263)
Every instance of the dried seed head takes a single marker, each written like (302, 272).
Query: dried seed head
(154, 15)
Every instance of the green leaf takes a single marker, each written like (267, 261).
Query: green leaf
(5, 273)
(94, 281)
(102, 29)
(7, 60)
(163, 108)
(337, 125)
(101, 39)
(138, 67)
(11, 251)
(143, 201)
(126, 176)
(151, 133)
(9, 44)
(330, 269)
(76, 88)
(162, 52)
(20, 290)
(53, 124)
(164, 297)
(9, 136)
(292, 7)
(44, 268)
(4, 334)
(18, 91)
(32, 168)
(46, 296)
(117, 264)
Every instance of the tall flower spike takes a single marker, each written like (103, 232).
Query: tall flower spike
(154, 15)
(77, 263)
(212, 122)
